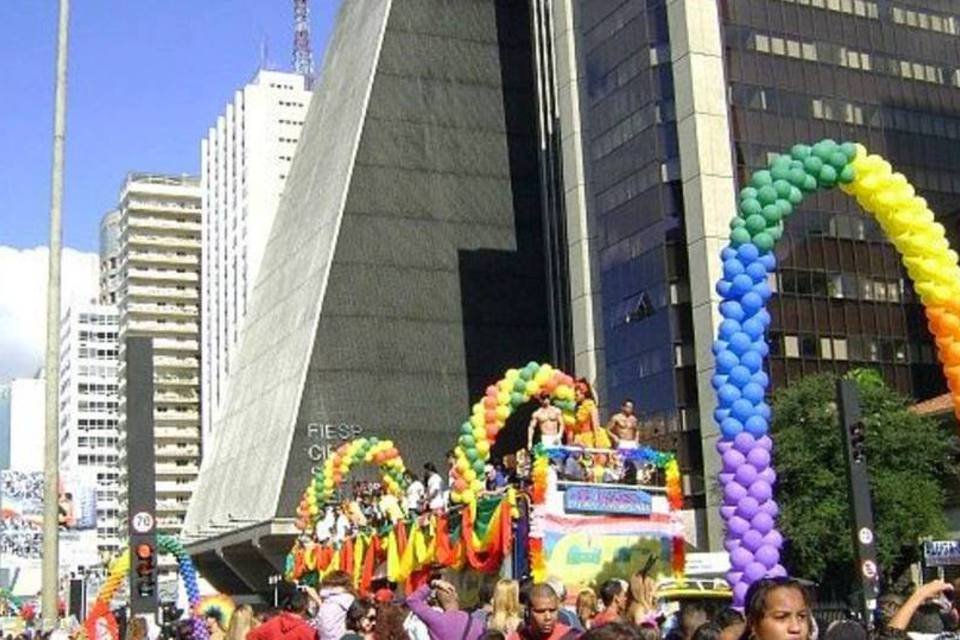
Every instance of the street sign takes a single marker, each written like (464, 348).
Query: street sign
(142, 522)
(941, 553)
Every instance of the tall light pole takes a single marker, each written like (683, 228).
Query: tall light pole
(51, 448)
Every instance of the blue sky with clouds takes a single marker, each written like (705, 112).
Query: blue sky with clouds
(146, 79)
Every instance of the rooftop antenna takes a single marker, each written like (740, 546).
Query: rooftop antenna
(302, 57)
(264, 51)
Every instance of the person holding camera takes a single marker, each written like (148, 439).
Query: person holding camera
(450, 623)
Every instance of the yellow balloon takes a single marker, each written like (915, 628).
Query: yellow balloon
(483, 447)
(476, 421)
(511, 375)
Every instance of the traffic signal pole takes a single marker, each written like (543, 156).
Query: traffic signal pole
(141, 472)
(861, 509)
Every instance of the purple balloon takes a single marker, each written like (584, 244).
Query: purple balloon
(733, 493)
(724, 477)
(733, 577)
(723, 446)
(744, 442)
(754, 571)
(748, 507)
(759, 457)
(752, 540)
(760, 490)
(727, 511)
(730, 544)
(778, 572)
(762, 522)
(770, 508)
(737, 526)
(732, 460)
(768, 475)
(745, 474)
(773, 539)
(740, 558)
(765, 443)
(740, 594)
(767, 556)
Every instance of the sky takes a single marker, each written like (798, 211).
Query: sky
(146, 78)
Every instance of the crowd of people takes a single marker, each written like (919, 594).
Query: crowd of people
(776, 609)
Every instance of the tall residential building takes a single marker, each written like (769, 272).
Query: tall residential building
(4, 426)
(110, 258)
(27, 411)
(89, 437)
(159, 298)
(244, 163)
(680, 100)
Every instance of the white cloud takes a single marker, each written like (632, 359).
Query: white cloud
(23, 302)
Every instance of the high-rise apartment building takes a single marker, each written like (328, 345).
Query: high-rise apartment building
(89, 437)
(4, 426)
(680, 101)
(110, 258)
(159, 298)
(244, 162)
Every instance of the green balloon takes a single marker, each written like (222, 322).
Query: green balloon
(780, 171)
(800, 151)
(737, 221)
(739, 236)
(761, 178)
(796, 176)
(828, 176)
(525, 375)
(516, 399)
(812, 165)
(764, 241)
(520, 384)
(847, 174)
(785, 208)
(479, 468)
(467, 441)
(849, 149)
(771, 215)
(471, 453)
(767, 194)
(750, 207)
(838, 160)
(756, 224)
(776, 232)
(782, 187)
(810, 184)
(824, 149)
(796, 196)
(748, 193)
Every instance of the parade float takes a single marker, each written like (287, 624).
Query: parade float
(749, 510)
(581, 529)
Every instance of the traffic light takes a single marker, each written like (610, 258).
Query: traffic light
(858, 441)
(146, 570)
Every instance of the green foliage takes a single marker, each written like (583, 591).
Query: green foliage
(909, 459)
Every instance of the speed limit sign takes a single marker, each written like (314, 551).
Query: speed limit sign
(142, 522)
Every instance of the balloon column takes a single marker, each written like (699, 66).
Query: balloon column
(117, 572)
(479, 433)
(321, 489)
(742, 413)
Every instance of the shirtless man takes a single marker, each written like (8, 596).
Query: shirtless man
(623, 427)
(549, 418)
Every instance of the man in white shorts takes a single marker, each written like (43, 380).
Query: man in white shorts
(549, 419)
(623, 428)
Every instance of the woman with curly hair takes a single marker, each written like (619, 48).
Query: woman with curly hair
(587, 432)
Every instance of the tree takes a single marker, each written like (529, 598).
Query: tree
(909, 458)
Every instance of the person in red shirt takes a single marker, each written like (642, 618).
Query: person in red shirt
(541, 621)
(614, 596)
(289, 625)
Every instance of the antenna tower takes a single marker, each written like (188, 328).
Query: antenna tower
(302, 57)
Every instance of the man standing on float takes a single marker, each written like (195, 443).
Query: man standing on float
(623, 428)
(548, 418)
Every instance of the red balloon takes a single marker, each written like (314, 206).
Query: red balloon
(492, 430)
(490, 415)
(392, 452)
(460, 484)
(492, 391)
(489, 403)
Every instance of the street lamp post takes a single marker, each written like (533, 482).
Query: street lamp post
(51, 450)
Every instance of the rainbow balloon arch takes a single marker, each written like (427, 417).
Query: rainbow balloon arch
(100, 614)
(477, 532)
(743, 416)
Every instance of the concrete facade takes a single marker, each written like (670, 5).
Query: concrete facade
(244, 162)
(110, 275)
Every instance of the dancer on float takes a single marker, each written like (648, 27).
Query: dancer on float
(587, 432)
(623, 428)
(548, 418)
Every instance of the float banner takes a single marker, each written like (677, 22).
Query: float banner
(606, 500)
(941, 553)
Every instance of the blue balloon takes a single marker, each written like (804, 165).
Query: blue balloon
(751, 303)
(755, 426)
(739, 376)
(760, 378)
(753, 328)
(740, 343)
(718, 346)
(720, 414)
(752, 360)
(728, 328)
(742, 410)
(728, 394)
(731, 427)
(723, 288)
(769, 261)
(748, 252)
(740, 285)
(726, 361)
(763, 409)
(752, 392)
(732, 309)
(718, 380)
(763, 290)
(732, 268)
(757, 271)
(764, 316)
(727, 253)
(761, 347)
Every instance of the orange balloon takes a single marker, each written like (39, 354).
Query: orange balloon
(490, 402)
(949, 324)
(951, 355)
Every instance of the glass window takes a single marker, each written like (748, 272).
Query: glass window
(808, 347)
(826, 348)
(840, 348)
(791, 346)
